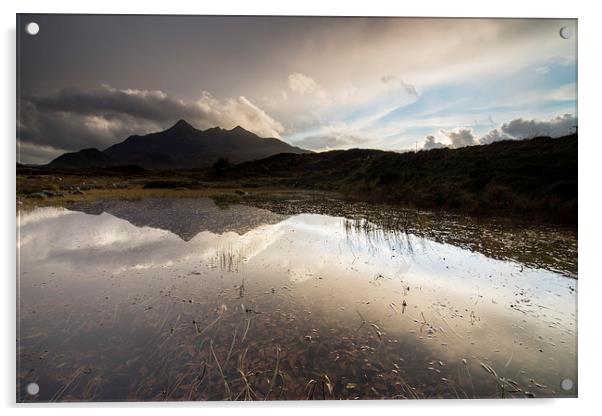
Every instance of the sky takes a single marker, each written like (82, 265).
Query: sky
(320, 83)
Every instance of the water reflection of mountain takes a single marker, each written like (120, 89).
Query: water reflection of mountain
(185, 217)
(545, 247)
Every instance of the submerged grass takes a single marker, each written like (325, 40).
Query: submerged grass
(267, 370)
(274, 362)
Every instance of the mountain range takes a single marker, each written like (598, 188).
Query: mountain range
(179, 147)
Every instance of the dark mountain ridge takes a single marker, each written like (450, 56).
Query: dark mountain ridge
(534, 179)
(179, 147)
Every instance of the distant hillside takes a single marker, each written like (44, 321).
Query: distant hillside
(179, 147)
(85, 158)
(534, 178)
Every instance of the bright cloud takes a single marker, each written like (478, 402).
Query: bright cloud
(302, 84)
(430, 142)
(517, 129)
(461, 138)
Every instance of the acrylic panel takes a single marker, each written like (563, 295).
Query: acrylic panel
(295, 208)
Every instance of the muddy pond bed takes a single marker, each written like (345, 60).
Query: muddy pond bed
(165, 299)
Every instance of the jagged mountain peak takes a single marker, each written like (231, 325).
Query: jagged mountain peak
(181, 125)
(181, 146)
(240, 129)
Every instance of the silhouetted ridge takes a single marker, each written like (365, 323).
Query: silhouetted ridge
(181, 126)
(85, 158)
(180, 147)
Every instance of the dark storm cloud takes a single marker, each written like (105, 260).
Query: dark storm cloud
(114, 103)
(65, 127)
(36, 154)
(56, 129)
(73, 119)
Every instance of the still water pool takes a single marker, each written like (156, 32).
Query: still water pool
(189, 299)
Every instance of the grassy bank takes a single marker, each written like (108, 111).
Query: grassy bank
(531, 180)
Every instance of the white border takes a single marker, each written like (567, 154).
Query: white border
(590, 153)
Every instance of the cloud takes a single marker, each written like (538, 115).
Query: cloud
(431, 143)
(517, 129)
(302, 84)
(556, 127)
(461, 137)
(566, 92)
(331, 141)
(236, 111)
(72, 119)
(112, 103)
(494, 136)
(409, 88)
(36, 154)
(73, 130)
(461, 68)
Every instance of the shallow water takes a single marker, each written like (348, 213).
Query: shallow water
(186, 299)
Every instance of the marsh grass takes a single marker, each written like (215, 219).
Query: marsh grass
(198, 365)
